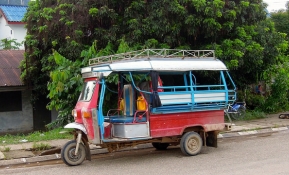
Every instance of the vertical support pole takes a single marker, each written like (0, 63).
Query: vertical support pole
(78, 140)
(226, 88)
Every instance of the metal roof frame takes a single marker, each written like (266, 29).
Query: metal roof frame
(162, 60)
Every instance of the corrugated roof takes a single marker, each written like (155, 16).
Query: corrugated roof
(9, 67)
(13, 13)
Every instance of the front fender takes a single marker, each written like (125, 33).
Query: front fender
(75, 125)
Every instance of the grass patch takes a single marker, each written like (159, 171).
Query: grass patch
(36, 136)
(276, 126)
(6, 149)
(252, 115)
(40, 146)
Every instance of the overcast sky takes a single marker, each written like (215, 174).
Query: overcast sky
(275, 4)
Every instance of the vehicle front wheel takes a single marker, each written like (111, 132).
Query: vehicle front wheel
(160, 146)
(68, 153)
(191, 144)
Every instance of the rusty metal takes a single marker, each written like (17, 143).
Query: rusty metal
(116, 146)
(10, 67)
(214, 127)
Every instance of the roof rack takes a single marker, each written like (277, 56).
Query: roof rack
(153, 53)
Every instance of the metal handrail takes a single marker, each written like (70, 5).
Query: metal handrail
(156, 53)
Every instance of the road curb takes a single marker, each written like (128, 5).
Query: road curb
(11, 162)
(1, 156)
(29, 160)
(56, 156)
(252, 132)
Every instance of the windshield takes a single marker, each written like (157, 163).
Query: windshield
(87, 91)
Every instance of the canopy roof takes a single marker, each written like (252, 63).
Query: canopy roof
(161, 61)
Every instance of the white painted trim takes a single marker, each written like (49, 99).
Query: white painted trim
(75, 125)
(182, 98)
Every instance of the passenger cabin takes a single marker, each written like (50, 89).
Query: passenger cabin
(154, 82)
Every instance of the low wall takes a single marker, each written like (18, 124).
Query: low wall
(18, 121)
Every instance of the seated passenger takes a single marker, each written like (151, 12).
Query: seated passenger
(259, 90)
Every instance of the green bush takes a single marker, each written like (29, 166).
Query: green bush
(241, 96)
(251, 115)
(277, 101)
(254, 101)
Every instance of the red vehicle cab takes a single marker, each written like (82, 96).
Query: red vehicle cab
(160, 99)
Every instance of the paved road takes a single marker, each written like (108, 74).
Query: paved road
(263, 154)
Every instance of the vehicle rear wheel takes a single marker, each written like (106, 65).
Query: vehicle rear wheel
(68, 156)
(191, 144)
(160, 146)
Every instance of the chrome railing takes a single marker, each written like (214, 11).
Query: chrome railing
(153, 53)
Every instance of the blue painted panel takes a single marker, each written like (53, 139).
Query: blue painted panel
(125, 119)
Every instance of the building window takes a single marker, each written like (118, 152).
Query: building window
(10, 101)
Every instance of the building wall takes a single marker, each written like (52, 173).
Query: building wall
(54, 115)
(12, 31)
(18, 121)
(18, 33)
(5, 30)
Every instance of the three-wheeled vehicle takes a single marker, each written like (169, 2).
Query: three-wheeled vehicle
(160, 99)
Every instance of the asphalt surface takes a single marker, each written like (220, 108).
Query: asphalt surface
(20, 154)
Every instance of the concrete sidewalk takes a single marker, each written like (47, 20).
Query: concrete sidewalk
(239, 128)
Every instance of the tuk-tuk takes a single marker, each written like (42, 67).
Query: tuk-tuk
(161, 99)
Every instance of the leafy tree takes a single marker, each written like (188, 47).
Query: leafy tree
(66, 83)
(276, 76)
(281, 20)
(237, 30)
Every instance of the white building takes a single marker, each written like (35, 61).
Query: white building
(11, 25)
(17, 114)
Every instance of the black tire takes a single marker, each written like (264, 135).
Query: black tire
(67, 153)
(160, 146)
(234, 116)
(191, 144)
(240, 114)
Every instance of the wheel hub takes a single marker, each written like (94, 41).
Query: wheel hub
(72, 155)
(193, 144)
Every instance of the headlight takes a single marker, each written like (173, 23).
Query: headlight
(74, 113)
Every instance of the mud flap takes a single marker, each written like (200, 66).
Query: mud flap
(87, 151)
(212, 139)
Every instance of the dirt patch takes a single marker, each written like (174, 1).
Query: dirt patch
(56, 150)
(51, 150)
(16, 154)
